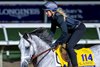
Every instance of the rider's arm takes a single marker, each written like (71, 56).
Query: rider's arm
(64, 35)
(52, 29)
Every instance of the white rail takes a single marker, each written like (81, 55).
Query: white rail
(45, 25)
(36, 25)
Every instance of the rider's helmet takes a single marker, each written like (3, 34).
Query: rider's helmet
(51, 6)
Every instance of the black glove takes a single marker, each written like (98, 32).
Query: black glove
(53, 45)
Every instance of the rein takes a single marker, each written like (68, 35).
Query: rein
(33, 57)
(41, 54)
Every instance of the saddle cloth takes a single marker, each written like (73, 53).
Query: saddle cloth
(85, 57)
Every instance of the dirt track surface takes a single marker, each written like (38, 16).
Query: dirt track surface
(13, 64)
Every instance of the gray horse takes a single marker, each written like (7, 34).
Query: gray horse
(36, 42)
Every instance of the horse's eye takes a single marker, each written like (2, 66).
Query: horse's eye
(26, 47)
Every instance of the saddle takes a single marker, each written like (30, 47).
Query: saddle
(62, 57)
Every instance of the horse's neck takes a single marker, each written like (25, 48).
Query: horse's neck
(48, 59)
(41, 45)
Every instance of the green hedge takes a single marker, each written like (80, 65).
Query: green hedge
(13, 33)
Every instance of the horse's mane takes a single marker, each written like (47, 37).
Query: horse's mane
(42, 33)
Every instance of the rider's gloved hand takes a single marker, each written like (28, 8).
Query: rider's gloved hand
(53, 45)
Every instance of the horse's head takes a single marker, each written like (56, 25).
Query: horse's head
(27, 49)
(33, 43)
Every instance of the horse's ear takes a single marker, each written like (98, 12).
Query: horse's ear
(20, 35)
(25, 36)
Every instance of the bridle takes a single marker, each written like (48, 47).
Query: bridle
(33, 57)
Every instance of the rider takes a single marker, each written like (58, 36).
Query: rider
(72, 29)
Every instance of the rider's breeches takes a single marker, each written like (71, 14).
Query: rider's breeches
(73, 40)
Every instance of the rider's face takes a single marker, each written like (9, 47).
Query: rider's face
(49, 13)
